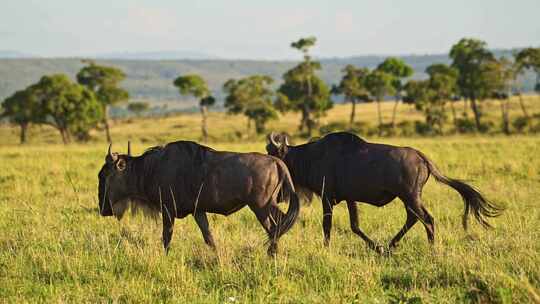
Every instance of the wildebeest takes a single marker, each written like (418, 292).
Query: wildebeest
(343, 167)
(183, 178)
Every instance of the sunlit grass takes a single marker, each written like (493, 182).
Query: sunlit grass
(54, 246)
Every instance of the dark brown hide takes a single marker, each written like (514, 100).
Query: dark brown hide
(184, 178)
(343, 167)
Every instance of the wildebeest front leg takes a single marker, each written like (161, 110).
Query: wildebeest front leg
(202, 222)
(353, 216)
(327, 220)
(168, 225)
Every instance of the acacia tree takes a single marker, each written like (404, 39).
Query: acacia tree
(443, 81)
(22, 108)
(303, 88)
(195, 86)
(423, 94)
(399, 70)
(138, 107)
(251, 96)
(293, 95)
(528, 59)
(104, 82)
(353, 88)
(469, 57)
(380, 84)
(500, 75)
(69, 107)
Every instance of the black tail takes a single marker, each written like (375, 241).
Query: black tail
(286, 222)
(473, 199)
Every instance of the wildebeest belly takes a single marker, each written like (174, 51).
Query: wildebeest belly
(362, 178)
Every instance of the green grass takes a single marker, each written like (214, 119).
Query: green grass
(54, 247)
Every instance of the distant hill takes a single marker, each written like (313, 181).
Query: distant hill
(8, 54)
(152, 79)
(160, 55)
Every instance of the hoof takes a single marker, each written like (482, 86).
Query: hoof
(382, 250)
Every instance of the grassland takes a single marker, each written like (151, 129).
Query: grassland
(54, 247)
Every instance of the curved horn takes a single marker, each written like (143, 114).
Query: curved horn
(272, 140)
(111, 156)
(286, 139)
(129, 148)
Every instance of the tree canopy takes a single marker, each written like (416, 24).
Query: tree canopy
(69, 107)
(251, 96)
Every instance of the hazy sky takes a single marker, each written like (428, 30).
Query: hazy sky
(263, 29)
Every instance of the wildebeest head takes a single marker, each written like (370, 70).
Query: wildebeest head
(277, 144)
(114, 186)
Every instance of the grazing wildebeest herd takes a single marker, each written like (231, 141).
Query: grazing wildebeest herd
(183, 178)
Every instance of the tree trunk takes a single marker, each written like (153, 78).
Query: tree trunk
(305, 123)
(64, 135)
(306, 109)
(24, 129)
(522, 105)
(476, 112)
(353, 112)
(394, 111)
(454, 119)
(465, 107)
(204, 130)
(379, 115)
(504, 113)
(106, 123)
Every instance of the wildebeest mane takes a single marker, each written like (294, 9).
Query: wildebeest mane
(143, 172)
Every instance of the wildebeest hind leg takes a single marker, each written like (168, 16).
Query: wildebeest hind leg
(263, 215)
(202, 222)
(353, 216)
(415, 211)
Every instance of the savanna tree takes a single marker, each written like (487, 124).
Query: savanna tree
(426, 99)
(251, 96)
(293, 95)
(104, 82)
(353, 87)
(469, 57)
(69, 107)
(138, 107)
(305, 91)
(528, 59)
(195, 86)
(500, 76)
(443, 82)
(399, 70)
(22, 108)
(380, 84)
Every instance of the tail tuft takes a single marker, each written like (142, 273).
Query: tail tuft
(474, 201)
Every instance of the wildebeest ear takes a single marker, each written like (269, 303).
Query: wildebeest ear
(121, 164)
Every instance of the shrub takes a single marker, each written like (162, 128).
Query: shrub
(521, 124)
(465, 125)
(406, 128)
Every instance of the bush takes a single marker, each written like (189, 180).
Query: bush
(407, 128)
(424, 128)
(465, 125)
(521, 124)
